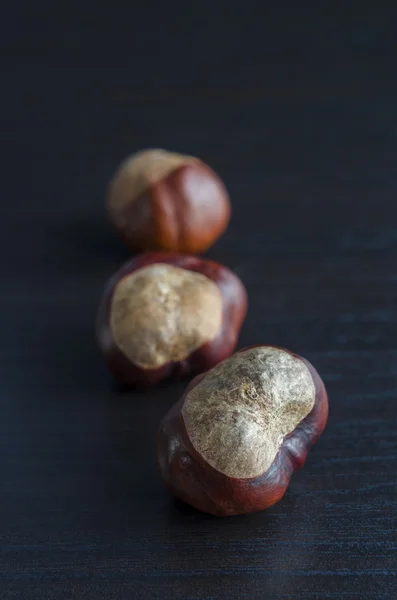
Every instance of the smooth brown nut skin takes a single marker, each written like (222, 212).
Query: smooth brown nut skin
(234, 308)
(189, 477)
(175, 213)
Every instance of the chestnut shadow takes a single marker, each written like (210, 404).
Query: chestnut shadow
(129, 480)
(178, 509)
(85, 253)
(71, 357)
(85, 243)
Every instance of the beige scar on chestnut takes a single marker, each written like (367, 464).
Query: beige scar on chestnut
(238, 415)
(142, 170)
(163, 313)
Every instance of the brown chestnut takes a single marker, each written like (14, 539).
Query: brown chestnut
(167, 314)
(231, 444)
(160, 200)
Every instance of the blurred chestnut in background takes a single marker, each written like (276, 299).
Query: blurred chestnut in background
(160, 200)
(231, 444)
(167, 314)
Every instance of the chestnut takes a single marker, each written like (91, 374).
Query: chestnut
(167, 314)
(160, 200)
(231, 444)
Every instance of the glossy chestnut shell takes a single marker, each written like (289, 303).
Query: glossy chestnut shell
(160, 200)
(190, 476)
(233, 310)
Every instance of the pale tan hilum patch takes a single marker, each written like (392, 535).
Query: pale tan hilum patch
(239, 414)
(163, 313)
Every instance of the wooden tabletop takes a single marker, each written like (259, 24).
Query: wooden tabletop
(296, 109)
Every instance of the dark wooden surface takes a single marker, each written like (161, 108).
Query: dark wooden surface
(296, 108)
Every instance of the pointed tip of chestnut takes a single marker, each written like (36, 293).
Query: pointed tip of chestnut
(168, 314)
(160, 200)
(232, 443)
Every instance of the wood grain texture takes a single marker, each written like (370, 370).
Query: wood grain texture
(295, 107)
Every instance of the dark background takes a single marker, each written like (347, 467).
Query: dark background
(295, 105)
